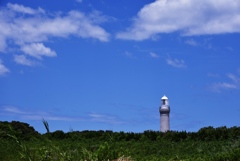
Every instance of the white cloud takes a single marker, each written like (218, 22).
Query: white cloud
(176, 63)
(234, 83)
(27, 114)
(38, 50)
(234, 78)
(27, 29)
(153, 55)
(23, 9)
(79, 1)
(218, 87)
(22, 60)
(105, 118)
(15, 110)
(39, 28)
(128, 54)
(191, 42)
(3, 69)
(189, 17)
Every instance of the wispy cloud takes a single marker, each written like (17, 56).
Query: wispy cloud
(27, 29)
(105, 118)
(218, 87)
(153, 55)
(233, 83)
(128, 54)
(38, 50)
(191, 42)
(3, 69)
(14, 110)
(23, 9)
(176, 63)
(23, 60)
(79, 1)
(234, 78)
(27, 114)
(164, 16)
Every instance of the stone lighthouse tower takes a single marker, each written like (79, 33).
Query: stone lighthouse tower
(164, 115)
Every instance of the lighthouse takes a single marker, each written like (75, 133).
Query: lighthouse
(164, 115)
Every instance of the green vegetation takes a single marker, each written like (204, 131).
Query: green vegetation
(20, 142)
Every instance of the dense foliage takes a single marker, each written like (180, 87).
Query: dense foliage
(19, 141)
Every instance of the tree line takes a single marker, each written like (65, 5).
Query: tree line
(26, 132)
(20, 141)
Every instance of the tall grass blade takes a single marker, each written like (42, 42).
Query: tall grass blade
(45, 123)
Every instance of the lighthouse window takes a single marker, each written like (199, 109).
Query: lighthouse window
(164, 102)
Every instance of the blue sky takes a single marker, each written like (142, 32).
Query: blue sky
(104, 65)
